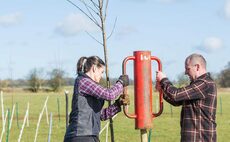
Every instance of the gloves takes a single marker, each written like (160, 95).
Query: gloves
(123, 100)
(124, 80)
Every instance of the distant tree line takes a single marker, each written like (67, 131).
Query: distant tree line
(223, 77)
(56, 79)
(36, 80)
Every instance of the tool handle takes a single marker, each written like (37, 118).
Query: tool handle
(125, 107)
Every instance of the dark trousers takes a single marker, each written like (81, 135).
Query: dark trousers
(82, 139)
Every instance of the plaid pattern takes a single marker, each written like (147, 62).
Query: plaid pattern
(89, 87)
(198, 114)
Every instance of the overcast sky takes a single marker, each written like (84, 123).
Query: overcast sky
(48, 34)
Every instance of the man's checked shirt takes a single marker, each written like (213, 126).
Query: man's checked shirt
(198, 114)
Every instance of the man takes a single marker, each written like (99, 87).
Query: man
(198, 100)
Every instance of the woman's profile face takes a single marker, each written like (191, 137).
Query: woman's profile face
(98, 73)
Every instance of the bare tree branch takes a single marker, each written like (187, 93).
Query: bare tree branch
(95, 5)
(94, 38)
(106, 8)
(101, 14)
(88, 9)
(112, 29)
(84, 13)
(100, 4)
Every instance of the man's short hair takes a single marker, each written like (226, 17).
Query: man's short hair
(195, 59)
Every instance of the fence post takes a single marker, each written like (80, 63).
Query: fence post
(50, 128)
(27, 120)
(67, 104)
(220, 106)
(2, 105)
(23, 125)
(40, 117)
(11, 120)
(58, 110)
(17, 114)
(8, 128)
(171, 111)
(3, 127)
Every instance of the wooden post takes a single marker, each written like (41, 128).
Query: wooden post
(66, 108)
(220, 106)
(144, 135)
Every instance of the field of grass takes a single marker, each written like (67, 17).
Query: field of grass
(166, 127)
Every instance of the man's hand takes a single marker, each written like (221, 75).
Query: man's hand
(160, 75)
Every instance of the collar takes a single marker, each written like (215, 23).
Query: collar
(81, 74)
(202, 76)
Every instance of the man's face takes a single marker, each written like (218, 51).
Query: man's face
(190, 70)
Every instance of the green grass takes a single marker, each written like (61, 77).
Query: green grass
(36, 102)
(166, 127)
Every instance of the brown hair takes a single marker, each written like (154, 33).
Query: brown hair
(84, 64)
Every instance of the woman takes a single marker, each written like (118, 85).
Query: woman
(88, 100)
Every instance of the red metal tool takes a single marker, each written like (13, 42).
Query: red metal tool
(143, 89)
